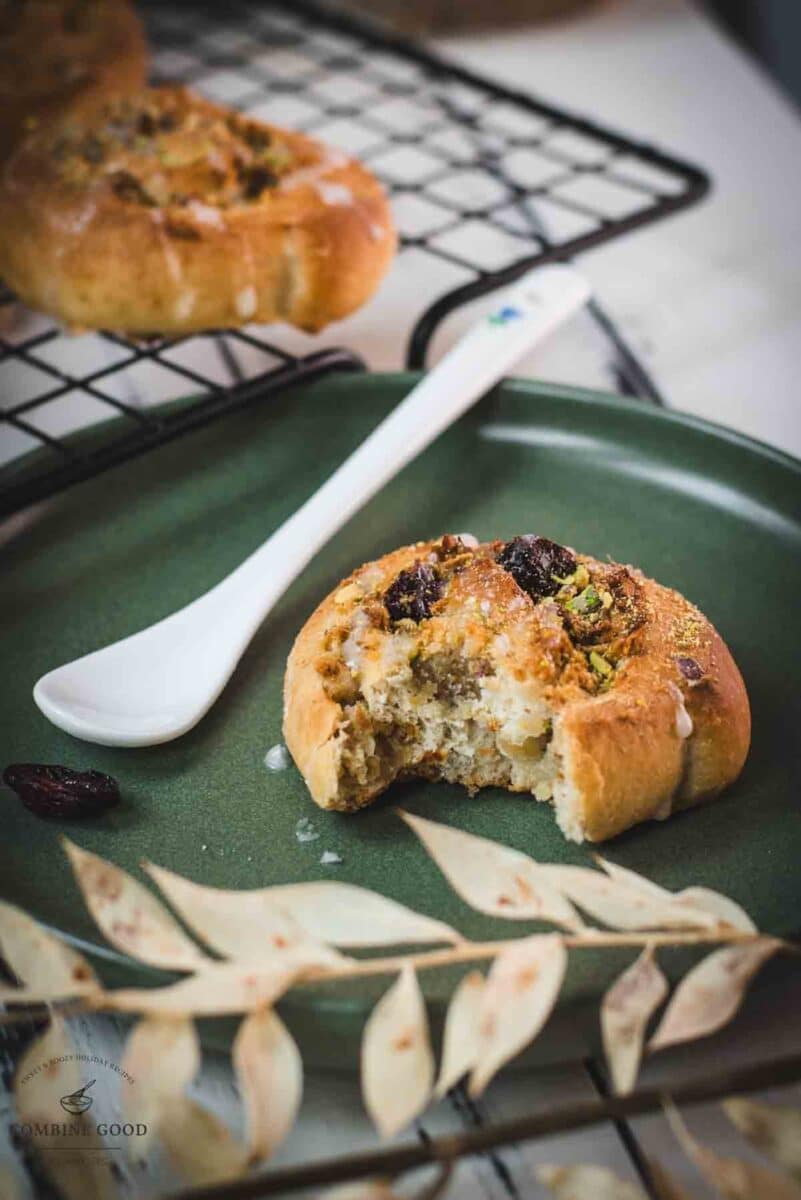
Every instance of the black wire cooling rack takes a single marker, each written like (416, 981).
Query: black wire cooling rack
(486, 183)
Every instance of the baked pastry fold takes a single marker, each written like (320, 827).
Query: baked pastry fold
(520, 665)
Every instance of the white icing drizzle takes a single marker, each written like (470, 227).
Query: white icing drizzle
(351, 647)
(206, 214)
(185, 304)
(246, 301)
(73, 223)
(329, 162)
(664, 811)
(333, 193)
(684, 722)
(171, 257)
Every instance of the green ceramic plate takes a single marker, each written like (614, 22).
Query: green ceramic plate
(706, 511)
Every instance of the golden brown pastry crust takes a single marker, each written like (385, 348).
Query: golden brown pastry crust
(630, 746)
(56, 54)
(164, 213)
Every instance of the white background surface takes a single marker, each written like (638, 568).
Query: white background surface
(711, 299)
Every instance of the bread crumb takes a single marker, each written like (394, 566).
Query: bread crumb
(277, 758)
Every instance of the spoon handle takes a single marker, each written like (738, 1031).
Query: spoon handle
(157, 683)
(526, 314)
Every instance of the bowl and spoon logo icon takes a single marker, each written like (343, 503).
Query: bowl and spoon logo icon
(77, 1102)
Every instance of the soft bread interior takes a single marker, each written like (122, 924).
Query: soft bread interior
(453, 717)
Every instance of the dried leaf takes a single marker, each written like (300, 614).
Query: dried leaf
(47, 967)
(587, 1183)
(727, 911)
(350, 916)
(493, 878)
(733, 1178)
(220, 988)
(240, 925)
(129, 915)
(270, 1075)
(699, 900)
(200, 1147)
(520, 991)
(774, 1129)
(397, 1062)
(461, 1038)
(625, 1011)
(163, 1055)
(623, 904)
(665, 1186)
(711, 993)
(633, 878)
(47, 1071)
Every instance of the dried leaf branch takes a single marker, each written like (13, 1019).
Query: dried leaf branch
(264, 942)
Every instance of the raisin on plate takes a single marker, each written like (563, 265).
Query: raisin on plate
(55, 791)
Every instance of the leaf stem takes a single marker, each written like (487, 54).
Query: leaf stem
(467, 951)
(445, 956)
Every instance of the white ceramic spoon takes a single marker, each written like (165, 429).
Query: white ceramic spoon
(158, 683)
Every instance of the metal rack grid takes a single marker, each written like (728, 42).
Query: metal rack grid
(485, 182)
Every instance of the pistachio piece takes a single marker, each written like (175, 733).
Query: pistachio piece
(600, 664)
(586, 601)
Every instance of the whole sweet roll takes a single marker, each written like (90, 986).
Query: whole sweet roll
(163, 213)
(521, 665)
